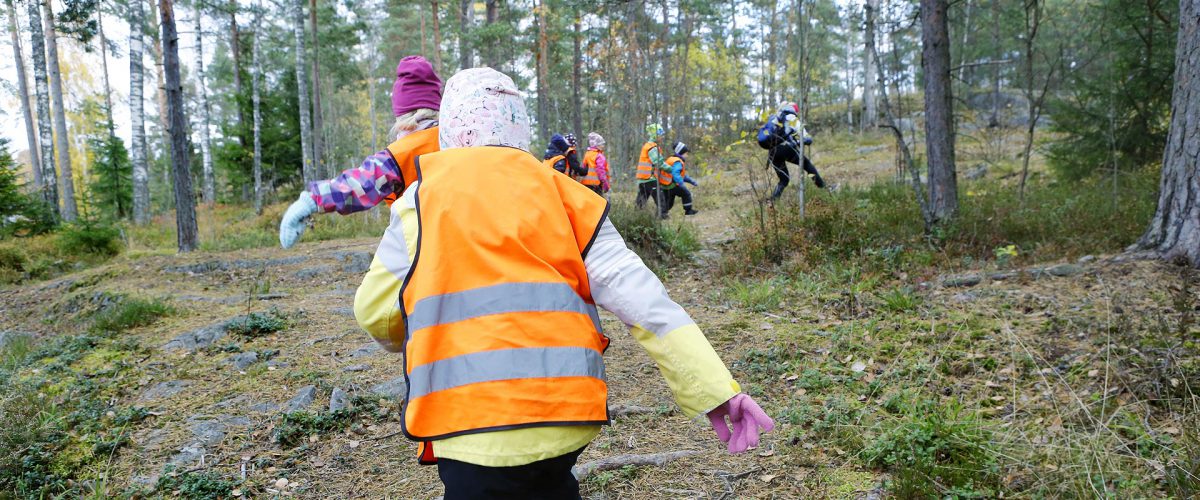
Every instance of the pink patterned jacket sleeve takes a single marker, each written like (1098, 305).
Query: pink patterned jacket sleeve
(358, 189)
(602, 171)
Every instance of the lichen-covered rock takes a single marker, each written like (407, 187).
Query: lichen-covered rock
(338, 400)
(165, 389)
(199, 338)
(303, 399)
(393, 389)
(966, 280)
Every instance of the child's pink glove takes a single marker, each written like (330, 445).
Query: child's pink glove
(747, 418)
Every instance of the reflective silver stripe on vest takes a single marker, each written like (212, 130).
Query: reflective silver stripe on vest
(498, 299)
(505, 364)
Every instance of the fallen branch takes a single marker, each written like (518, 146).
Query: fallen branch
(584, 471)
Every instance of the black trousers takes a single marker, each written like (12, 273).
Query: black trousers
(646, 190)
(783, 154)
(548, 479)
(676, 191)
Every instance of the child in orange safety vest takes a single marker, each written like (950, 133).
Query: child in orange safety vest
(596, 165)
(671, 181)
(416, 96)
(497, 313)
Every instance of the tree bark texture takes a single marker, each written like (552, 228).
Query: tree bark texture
(1174, 232)
(108, 105)
(210, 196)
(437, 38)
(62, 144)
(307, 168)
(870, 110)
(185, 203)
(35, 163)
(318, 121)
(255, 81)
(939, 116)
(490, 52)
(45, 135)
(576, 69)
(235, 47)
(160, 91)
(137, 114)
(465, 12)
(542, 54)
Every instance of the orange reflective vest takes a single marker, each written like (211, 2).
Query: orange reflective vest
(589, 161)
(645, 168)
(403, 150)
(502, 331)
(551, 161)
(664, 175)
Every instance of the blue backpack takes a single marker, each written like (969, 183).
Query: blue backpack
(769, 135)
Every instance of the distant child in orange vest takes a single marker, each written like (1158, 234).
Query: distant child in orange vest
(650, 163)
(596, 164)
(561, 156)
(497, 313)
(671, 181)
(416, 97)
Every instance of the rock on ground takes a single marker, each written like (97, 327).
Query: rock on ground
(392, 389)
(303, 398)
(165, 389)
(197, 339)
(338, 400)
(242, 360)
(962, 281)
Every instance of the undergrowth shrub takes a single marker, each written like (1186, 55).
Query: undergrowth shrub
(200, 485)
(90, 239)
(257, 324)
(130, 313)
(936, 450)
(880, 227)
(653, 239)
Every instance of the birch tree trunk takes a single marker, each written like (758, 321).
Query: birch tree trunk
(939, 117)
(318, 133)
(209, 187)
(185, 203)
(46, 136)
(870, 110)
(307, 168)
(255, 82)
(66, 181)
(160, 92)
(108, 106)
(235, 47)
(137, 115)
(492, 12)
(35, 163)
(1174, 233)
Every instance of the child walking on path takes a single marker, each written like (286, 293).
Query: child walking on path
(596, 164)
(650, 163)
(672, 179)
(416, 97)
(497, 313)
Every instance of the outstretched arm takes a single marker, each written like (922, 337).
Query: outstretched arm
(358, 189)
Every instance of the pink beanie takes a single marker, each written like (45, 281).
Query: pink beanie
(416, 87)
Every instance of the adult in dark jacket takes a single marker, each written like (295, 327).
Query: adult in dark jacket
(785, 147)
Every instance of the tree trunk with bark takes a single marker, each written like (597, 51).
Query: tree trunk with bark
(576, 69)
(889, 122)
(185, 203)
(66, 181)
(490, 52)
(41, 88)
(1174, 232)
(465, 11)
(255, 82)
(210, 196)
(994, 120)
(870, 110)
(35, 163)
(160, 91)
(137, 115)
(307, 169)
(542, 54)
(235, 47)
(437, 38)
(939, 111)
(108, 105)
(318, 121)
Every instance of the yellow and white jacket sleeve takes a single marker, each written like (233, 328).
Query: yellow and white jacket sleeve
(622, 284)
(377, 302)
